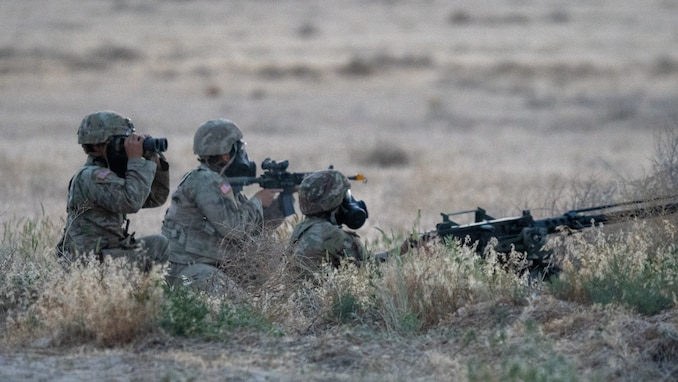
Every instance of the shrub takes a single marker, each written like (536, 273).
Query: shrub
(184, 313)
(628, 268)
(26, 261)
(385, 154)
(414, 292)
(108, 303)
(345, 306)
(187, 313)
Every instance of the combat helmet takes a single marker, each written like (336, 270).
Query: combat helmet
(216, 137)
(101, 125)
(322, 191)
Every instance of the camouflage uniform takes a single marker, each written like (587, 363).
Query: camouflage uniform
(208, 220)
(99, 199)
(317, 238)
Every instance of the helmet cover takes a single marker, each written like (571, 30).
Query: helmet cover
(322, 191)
(101, 125)
(216, 137)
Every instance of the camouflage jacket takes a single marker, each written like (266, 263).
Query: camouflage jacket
(207, 219)
(316, 239)
(98, 201)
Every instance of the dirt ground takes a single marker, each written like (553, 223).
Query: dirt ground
(589, 343)
(444, 106)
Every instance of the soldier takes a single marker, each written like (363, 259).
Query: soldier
(208, 220)
(118, 178)
(326, 202)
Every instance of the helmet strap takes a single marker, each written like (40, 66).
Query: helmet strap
(230, 161)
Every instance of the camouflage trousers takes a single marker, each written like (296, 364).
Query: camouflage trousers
(205, 278)
(146, 251)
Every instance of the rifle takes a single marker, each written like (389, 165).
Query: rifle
(524, 234)
(276, 176)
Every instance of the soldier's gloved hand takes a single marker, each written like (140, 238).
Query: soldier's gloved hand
(267, 195)
(158, 158)
(163, 165)
(152, 156)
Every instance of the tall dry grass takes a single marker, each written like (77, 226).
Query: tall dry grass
(636, 267)
(631, 267)
(25, 263)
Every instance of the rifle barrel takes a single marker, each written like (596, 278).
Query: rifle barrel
(243, 180)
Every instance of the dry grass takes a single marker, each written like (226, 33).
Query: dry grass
(451, 314)
(107, 304)
(635, 266)
(42, 303)
(505, 106)
(456, 313)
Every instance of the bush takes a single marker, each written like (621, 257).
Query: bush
(108, 303)
(414, 292)
(345, 306)
(187, 313)
(627, 268)
(384, 154)
(26, 262)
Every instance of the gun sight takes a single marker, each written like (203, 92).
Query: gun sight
(269, 164)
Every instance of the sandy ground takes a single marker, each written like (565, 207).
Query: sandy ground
(445, 106)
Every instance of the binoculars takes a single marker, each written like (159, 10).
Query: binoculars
(157, 145)
(150, 144)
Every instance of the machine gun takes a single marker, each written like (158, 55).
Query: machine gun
(524, 234)
(276, 176)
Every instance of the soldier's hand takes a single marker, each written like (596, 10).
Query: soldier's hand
(157, 158)
(267, 195)
(134, 146)
(152, 156)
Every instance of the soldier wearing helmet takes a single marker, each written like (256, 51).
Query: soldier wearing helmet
(112, 183)
(326, 202)
(208, 219)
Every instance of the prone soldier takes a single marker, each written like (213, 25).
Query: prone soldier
(326, 201)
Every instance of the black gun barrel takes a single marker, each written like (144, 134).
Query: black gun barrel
(244, 180)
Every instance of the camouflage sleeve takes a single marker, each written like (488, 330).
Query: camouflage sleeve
(353, 247)
(121, 195)
(328, 240)
(160, 187)
(348, 245)
(233, 216)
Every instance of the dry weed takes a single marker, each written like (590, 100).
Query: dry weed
(634, 266)
(424, 287)
(108, 303)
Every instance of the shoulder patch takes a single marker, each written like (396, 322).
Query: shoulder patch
(225, 188)
(102, 173)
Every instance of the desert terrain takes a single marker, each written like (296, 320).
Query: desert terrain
(443, 105)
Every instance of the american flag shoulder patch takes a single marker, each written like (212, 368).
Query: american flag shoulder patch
(225, 188)
(102, 174)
